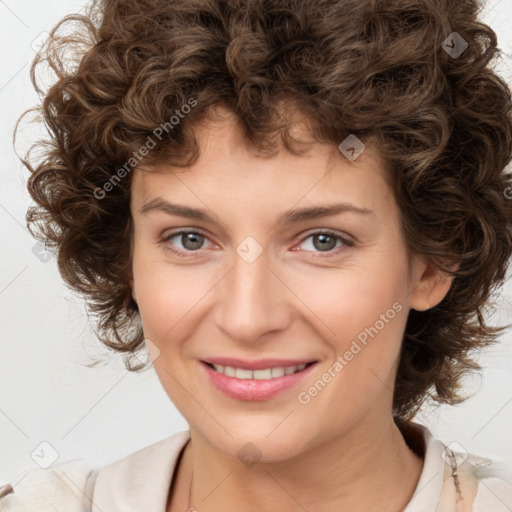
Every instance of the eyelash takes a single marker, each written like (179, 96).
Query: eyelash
(334, 251)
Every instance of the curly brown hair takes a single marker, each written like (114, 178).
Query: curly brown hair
(380, 70)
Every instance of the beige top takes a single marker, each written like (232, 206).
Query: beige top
(449, 482)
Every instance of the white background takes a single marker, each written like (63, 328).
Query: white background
(105, 413)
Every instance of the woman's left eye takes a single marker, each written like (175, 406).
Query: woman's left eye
(326, 241)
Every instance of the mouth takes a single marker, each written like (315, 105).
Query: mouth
(269, 373)
(256, 380)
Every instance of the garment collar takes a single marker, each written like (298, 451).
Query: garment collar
(141, 480)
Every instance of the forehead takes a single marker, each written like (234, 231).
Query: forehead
(230, 169)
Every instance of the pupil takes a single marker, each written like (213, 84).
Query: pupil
(192, 241)
(323, 238)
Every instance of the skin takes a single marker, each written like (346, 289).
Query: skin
(296, 300)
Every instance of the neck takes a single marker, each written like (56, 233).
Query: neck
(359, 470)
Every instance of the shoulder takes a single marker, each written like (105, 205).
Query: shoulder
(453, 480)
(489, 482)
(65, 487)
(140, 480)
(475, 483)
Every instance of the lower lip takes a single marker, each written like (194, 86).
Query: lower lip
(255, 389)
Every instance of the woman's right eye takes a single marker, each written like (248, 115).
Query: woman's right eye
(191, 241)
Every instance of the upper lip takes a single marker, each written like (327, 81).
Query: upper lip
(257, 364)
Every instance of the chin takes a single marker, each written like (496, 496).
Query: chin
(259, 440)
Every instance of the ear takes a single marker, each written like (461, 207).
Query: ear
(430, 284)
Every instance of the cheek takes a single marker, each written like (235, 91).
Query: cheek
(163, 303)
(361, 312)
(368, 305)
(161, 296)
(170, 297)
(370, 345)
(349, 300)
(368, 320)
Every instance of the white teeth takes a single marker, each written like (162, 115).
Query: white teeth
(262, 374)
(229, 371)
(277, 372)
(265, 374)
(240, 373)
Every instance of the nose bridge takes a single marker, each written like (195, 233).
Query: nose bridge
(252, 301)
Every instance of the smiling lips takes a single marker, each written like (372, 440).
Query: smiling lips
(255, 380)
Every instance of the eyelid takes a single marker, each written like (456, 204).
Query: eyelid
(184, 231)
(345, 237)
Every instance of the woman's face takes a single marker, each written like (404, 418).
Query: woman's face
(258, 287)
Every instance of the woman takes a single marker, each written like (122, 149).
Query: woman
(202, 153)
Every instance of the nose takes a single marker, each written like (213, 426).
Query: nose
(252, 301)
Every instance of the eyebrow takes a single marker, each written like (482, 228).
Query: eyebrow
(289, 217)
